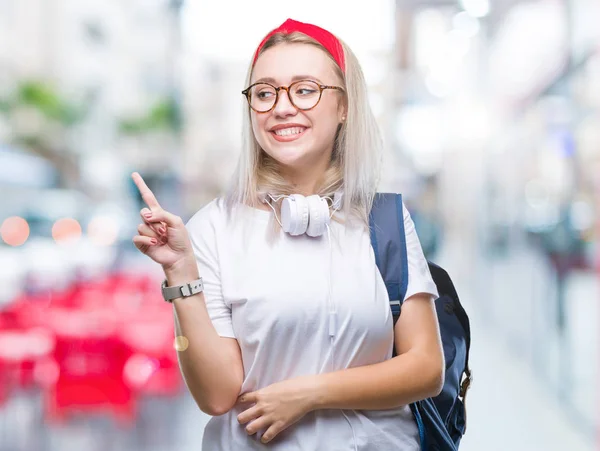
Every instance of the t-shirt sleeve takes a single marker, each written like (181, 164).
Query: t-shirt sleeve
(419, 277)
(202, 229)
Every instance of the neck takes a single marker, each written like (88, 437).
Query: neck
(306, 180)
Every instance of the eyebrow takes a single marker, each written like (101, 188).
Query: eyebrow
(295, 78)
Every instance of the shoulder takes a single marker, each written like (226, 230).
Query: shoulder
(387, 198)
(405, 212)
(209, 216)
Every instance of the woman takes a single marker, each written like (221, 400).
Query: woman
(291, 341)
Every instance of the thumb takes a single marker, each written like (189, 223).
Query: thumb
(158, 214)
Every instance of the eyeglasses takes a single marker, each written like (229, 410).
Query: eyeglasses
(303, 94)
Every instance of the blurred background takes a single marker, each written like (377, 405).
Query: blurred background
(491, 115)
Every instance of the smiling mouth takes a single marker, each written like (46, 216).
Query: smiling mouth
(288, 134)
(289, 131)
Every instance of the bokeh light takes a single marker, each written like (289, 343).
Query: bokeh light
(14, 231)
(181, 343)
(103, 230)
(139, 369)
(66, 230)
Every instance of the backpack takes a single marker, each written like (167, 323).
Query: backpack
(441, 420)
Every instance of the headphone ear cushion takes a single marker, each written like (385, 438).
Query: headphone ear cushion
(294, 214)
(319, 215)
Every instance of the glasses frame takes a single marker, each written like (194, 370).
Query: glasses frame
(246, 93)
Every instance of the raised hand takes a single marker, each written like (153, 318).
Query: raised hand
(162, 235)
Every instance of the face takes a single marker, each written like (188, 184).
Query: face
(295, 138)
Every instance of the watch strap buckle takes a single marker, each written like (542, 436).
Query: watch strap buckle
(184, 290)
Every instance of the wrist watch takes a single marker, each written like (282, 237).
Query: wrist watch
(181, 291)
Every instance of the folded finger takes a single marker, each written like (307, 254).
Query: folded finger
(158, 226)
(146, 230)
(160, 215)
(143, 242)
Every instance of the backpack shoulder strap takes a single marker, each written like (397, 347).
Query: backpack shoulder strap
(388, 239)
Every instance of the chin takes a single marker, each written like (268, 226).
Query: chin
(290, 161)
(288, 155)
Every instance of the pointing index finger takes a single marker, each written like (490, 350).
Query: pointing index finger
(147, 195)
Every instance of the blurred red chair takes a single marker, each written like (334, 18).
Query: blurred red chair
(90, 360)
(3, 384)
(4, 378)
(153, 368)
(21, 350)
(112, 339)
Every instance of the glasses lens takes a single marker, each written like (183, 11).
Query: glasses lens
(305, 94)
(262, 97)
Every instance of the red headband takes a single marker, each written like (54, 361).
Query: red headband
(322, 36)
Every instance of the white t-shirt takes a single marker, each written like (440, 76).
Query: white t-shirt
(273, 297)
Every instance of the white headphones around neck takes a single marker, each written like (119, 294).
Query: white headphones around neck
(300, 214)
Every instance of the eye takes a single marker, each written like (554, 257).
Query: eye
(306, 89)
(263, 92)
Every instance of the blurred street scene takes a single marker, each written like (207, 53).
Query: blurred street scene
(491, 115)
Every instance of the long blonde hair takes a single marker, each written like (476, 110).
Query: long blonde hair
(357, 151)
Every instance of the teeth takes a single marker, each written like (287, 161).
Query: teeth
(289, 131)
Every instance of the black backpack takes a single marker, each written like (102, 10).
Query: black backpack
(441, 420)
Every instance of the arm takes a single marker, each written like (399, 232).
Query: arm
(211, 365)
(416, 373)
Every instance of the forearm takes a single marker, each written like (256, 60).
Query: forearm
(396, 382)
(208, 367)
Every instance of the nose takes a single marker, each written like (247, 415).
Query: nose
(284, 107)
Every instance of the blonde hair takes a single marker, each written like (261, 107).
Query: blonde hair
(356, 157)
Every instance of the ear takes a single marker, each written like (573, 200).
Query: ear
(342, 112)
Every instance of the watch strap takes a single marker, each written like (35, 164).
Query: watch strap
(181, 291)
